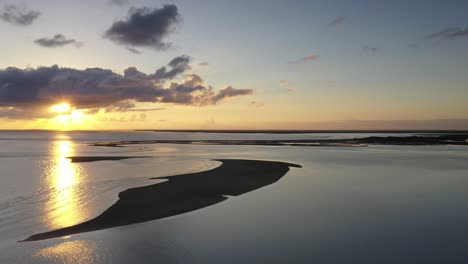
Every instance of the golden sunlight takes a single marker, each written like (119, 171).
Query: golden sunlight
(77, 252)
(61, 108)
(67, 117)
(63, 179)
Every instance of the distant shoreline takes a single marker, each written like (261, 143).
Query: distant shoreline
(443, 139)
(255, 131)
(274, 131)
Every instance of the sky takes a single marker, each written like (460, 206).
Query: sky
(149, 64)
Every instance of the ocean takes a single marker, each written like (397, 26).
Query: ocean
(367, 204)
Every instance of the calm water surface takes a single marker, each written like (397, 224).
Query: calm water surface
(377, 204)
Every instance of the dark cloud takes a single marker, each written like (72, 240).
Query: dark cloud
(119, 2)
(18, 15)
(145, 27)
(338, 20)
(230, 92)
(132, 50)
(58, 40)
(305, 59)
(176, 66)
(96, 88)
(449, 33)
(370, 49)
(15, 113)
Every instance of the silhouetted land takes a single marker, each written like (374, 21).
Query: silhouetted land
(448, 139)
(180, 194)
(277, 131)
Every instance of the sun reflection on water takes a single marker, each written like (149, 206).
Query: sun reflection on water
(71, 252)
(63, 180)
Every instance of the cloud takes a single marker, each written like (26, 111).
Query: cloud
(286, 84)
(256, 104)
(449, 33)
(15, 113)
(119, 2)
(204, 64)
(305, 59)
(58, 40)
(192, 91)
(175, 67)
(23, 90)
(145, 27)
(147, 109)
(230, 92)
(338, 20)
(127, 106)
(18, 15)
(132, 50)
(370, 49)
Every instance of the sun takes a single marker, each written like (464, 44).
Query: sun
(61, 108)
(67, 117)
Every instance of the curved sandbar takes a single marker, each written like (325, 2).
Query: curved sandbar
(180, 194)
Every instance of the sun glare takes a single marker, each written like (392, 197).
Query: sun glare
(67, 117)
(61, 108)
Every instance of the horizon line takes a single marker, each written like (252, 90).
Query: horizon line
(256, 131)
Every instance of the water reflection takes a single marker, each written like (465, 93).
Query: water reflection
(63, 182)
(71, 252)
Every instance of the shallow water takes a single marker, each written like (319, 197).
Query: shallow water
(377, 204)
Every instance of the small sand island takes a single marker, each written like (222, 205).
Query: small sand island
(179, 194)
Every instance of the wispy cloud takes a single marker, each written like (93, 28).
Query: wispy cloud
(56, 41)
(119, 2)
(370, 49)
(287, 85)
(146, 109)
(256, 104)
(449, 33)
(338, 20)
(132, 50)
(308, 58)
(18, 15)
(204, 64)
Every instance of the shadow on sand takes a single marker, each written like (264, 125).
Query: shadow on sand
(180, 194)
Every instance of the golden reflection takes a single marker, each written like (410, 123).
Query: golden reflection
(63, 181)
(71, 252)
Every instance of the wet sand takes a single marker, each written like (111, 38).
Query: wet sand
(179, 194)
(448, 139)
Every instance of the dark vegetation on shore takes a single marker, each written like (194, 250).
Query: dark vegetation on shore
(416, 140)
(284, 131)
